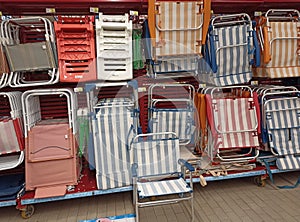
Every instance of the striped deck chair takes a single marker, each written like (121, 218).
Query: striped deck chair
(231, 49)
(234, 125)
(11, 127)
(113, 130)
(282, 119)
(156, 171)
(176, 30)
(280, 41)
(172, 114)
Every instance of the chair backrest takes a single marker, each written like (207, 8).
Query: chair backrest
(231, 47)
(283, 124)
(234, 120)
(179, 121)
(279, 37)
(177, 36)
(156, 155)
(233, 41)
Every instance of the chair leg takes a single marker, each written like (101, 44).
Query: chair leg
(192, 209)
(136, 212)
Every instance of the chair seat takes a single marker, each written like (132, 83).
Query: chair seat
(11, 161)
(164, 187)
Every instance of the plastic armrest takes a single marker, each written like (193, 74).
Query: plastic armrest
(186, 164)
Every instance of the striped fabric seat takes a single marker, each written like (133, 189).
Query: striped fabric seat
(231, 54)
(283, 124)
(179, 121)
(283, 45)
(113, 132)
(164, 187)
(235, 121)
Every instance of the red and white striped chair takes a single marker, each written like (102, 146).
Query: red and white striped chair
(11, 127)
(234, 123)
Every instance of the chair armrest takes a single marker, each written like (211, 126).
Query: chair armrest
(189, 166)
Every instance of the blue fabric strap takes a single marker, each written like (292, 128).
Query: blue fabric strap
(272, 179)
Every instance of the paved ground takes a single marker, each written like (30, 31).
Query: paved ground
(227, 200)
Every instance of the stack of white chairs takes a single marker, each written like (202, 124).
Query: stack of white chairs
(114, 47)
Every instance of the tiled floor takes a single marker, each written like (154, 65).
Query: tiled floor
(227, 200)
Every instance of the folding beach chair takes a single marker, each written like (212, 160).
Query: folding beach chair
(177, 31)
(76, 48)
(171, 109)
(278, 32)
(281, 118)
(51, 162)
(30, 49)
(114, 47)
(201, 122)
(233, 118)
(231, 50)
(11, 127)
(114, 123)
(157, 173)
(261, 91)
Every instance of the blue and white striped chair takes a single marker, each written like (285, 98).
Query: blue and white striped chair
(114, 123)
(113, 131)
(157, 172)
(282, 120)
(171, 109)
(231, 50)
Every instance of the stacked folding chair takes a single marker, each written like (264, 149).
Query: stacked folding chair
(279, 35)
(114, 123)
(11, 126)
(76, 48)
(231, 50)
(12, 178)
(171, 109)
(177, 42)
(114, 47)
(233, 119)
(52, 163)
(200, 123)
(281, 123)
(30, 50)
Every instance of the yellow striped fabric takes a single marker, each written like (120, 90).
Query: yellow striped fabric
(178, 28)
(283, 50)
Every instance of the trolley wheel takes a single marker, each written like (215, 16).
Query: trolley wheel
(27, 212)
(259, 181)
